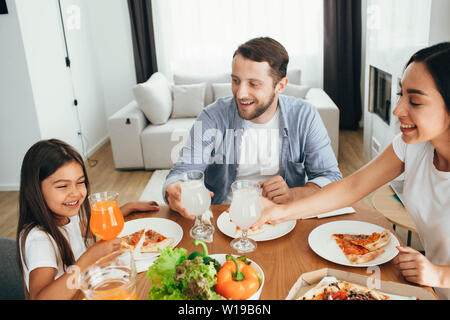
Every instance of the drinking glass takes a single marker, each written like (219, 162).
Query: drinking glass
(196, 199)
(244, 212)
(106, 218)
(112, 277)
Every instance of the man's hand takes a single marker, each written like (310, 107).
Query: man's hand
(173, 196)
(415, 267)
(276, 190)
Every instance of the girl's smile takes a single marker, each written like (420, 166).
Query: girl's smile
(65, 190)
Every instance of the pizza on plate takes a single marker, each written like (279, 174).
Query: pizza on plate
(151, 241)
(251, 232)
(130, 241)
(154, 240)
(362, 248)
(342, 290)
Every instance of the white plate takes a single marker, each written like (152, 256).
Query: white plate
(321, 242)
(270, 232)
(166, 227)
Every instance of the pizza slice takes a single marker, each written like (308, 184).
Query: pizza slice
(342, 290)
(371, 242)
(354, 253)
(154, 240)
(130, 241)
(251, 232)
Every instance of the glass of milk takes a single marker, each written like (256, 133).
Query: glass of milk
(197, 200)
(244, 212)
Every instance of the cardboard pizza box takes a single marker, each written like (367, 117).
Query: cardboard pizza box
(310, 279)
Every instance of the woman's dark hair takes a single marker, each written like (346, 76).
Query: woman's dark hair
(437, 60)
(41, 161)
(268, 50)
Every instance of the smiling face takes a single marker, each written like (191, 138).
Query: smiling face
(65, 191)
(421, 109)
(253, 89)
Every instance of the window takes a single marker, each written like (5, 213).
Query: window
(200, 36)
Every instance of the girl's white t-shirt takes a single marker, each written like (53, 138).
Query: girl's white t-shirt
(426, 195)
(41, 249)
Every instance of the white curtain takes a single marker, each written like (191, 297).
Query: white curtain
(398, 24)
(200, 36)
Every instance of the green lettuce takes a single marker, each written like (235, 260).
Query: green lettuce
(174, 277)
(164, 267)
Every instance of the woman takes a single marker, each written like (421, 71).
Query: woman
(422, 153)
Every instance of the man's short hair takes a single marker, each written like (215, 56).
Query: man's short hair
(268, 50)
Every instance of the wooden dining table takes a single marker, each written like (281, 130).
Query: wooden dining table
(284, 259)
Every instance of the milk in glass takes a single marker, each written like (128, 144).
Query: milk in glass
(194, 197)
(244, 209)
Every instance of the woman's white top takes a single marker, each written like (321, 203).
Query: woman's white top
(426, 195)
(41, 249)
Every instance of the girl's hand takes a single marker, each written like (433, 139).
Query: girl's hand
(100, 249)
(415, 267)
(139, 206)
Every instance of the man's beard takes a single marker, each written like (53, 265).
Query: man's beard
(258, 110)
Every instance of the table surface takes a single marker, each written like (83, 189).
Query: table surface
(393, 210)
(283, 260)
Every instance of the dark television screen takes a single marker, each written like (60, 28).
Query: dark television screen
(3, 8)
(380, 93)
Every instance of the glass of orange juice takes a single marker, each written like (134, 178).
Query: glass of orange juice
(106, 218)
(112, 277)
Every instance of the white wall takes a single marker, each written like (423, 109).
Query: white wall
(394, 31)
(34, 78)
(110, 31)
(19, 127)
(50, 79)
(439, 22)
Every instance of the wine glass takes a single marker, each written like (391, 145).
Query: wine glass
(106, 218)
(196, 199)
(244, 212)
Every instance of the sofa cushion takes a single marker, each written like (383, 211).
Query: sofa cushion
(161, 144)
(188, 100)
(221, 90)
(296, 90)
(208, 79)
(294, 75)
(154, 98)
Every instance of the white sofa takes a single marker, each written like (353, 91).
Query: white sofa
(148, 132)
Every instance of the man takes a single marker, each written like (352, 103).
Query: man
(257, 134)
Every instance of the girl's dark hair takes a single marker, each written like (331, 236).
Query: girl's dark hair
(41, 161)
(437, 60)
(269, 50)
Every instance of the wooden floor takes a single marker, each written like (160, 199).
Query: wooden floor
(130, 184)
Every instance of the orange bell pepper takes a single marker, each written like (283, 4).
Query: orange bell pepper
(236, 280)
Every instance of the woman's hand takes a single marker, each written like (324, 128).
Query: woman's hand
(139, 206)
(415, 267)
(270, 212)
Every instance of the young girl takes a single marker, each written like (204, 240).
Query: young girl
(53, 230)
(422, 153)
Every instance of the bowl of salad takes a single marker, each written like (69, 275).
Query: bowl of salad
(177, 275)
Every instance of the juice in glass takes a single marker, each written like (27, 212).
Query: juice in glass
(106, 218)
(112, 277)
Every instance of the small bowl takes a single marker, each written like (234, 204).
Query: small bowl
(221, 257)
